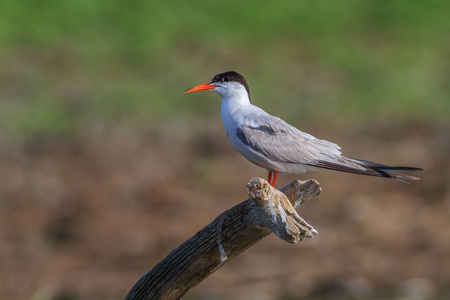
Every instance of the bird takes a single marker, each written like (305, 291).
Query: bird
(275, 145)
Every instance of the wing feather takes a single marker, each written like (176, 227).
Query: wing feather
(282, 143)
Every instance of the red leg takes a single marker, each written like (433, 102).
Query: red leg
(275, 176)
(270, 177)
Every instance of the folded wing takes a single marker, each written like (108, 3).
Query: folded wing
(281, 142)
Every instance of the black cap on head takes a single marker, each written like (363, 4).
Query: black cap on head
(231, 76)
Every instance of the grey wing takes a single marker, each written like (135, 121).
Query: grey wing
(283, 143)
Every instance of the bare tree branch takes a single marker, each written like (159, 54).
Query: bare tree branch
(235, 230)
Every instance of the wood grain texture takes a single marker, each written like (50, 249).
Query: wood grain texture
(232, 232)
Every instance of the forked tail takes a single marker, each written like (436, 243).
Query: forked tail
(364, 167)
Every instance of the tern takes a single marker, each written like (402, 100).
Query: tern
(277, 146)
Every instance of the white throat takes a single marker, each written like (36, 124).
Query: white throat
(234, 101)
(232, 109)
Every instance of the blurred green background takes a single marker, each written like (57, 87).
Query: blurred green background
(94, 122)
(67, 64)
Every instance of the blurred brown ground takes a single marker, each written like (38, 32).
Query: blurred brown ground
(84, 218)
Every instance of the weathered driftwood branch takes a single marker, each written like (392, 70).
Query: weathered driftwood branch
(235, 230)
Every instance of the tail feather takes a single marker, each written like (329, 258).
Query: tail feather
(364, 167)
(389, 171)
(384, 167)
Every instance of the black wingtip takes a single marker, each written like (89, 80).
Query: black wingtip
(385, 167)
(370, 168)
(389, 171)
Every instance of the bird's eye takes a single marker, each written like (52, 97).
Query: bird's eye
(227, 78)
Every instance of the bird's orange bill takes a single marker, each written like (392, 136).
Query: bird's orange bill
(201, 87)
